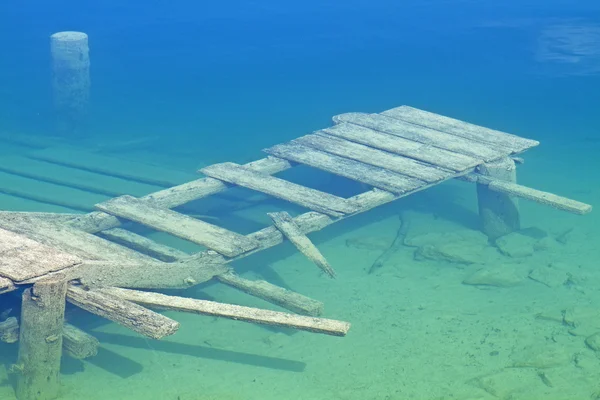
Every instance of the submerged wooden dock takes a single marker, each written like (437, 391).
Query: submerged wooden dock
(94, 262)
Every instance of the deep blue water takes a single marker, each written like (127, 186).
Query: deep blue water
(233, 73)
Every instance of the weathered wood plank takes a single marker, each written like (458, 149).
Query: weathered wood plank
(460, 128)
(22, 258)
(165, 220)
(355, 170)
(73, 177)
(137, 171)
(123, 312)
(71, 240)
(309, 198)
(369, 155)
(231, 311)
(50, 193)
(285, 223)
(549, 199)
(273, 294)
(421, 134)
(408, 148)
(143, 244)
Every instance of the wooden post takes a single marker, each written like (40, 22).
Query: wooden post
(498, 212)
(40, 340)
(70, 81)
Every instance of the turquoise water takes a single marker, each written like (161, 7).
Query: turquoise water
(180, 86)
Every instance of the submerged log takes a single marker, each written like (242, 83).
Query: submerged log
(40, 337)
(77, 343)
(130, 315)
(285, 223)
(247, 314)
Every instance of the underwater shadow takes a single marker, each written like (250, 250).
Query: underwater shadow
(200, 352)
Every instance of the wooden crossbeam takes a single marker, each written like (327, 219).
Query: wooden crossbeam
(22, 258)
(213, 237)
(310, 198)
(231, 311)
(420, 134)
(285, 223)
(408, 148)
(122, 312)
(143, 244)
(546, 198)
(374, 176)
(463, 129)
(368, 155)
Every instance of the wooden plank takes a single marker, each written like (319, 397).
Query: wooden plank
(77, 343)
(231, 311)
(49, 193)
(73, 177)
(368, 155)
(355, 170)
(310, 198)
(123, 312)
(460, 128)
(9, 330)
(404, 147)
(143, 244)
(162, 219)
(79, 158)
(285, 223)
(71, 240)
(279, 296)
(549, 199)
(22, 258)
(424, 135)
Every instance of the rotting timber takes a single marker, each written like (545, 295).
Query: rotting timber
(94, 262)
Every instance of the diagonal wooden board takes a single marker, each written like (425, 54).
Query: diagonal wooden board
(213, 237)
(73, 177)
(515, 144)
(420, 134)
(408, 148)
(280, 188)
(374, 176)
(368, 155)
(22, 258)
(137, 171)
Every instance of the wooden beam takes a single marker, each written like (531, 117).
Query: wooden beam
(394, 144)
(360, 172)
(40, 340)
(285, 223)
(247, 314)
(273, 294)
(369, 155)
(162, 219)
(143, 244)
(309, 198)
(524, 192)
(459, 128)
(123, 312)
(22, 258)
(420, 134)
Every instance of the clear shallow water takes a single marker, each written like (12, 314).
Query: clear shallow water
(219, 82)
